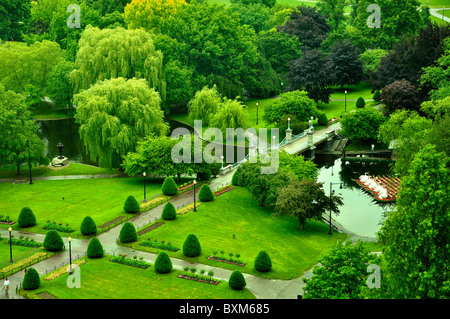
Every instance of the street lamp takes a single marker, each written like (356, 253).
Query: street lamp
(195, 182)
(10, 245)
(345, 100)
(29, 161)
(145, 195)
(289, 123)
(70, 255)
(331, 194)
(257, 103)
(221, 157)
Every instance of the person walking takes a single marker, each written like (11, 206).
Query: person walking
(6, 285)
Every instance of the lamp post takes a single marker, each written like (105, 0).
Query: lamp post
(345, 100)
(221, 157)
(289, 123)
(257, 103)
(331, 194)
(145, 195)
(195, 208)
(29, 161)
(70, 255)
(10, 245)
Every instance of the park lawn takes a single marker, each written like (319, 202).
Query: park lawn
(69, 201)
(445, 12)
(17, 252)
(293, 251)
(43, 170)
(102, 279)
(363, 90)
(335, 109)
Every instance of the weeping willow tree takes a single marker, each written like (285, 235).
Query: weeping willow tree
(113, 53)
(231, 114)
(114, 115)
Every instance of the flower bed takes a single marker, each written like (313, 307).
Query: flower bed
(190, 277)
(22, 262)
(6, 220)
(154, 202)
(25, 242)
(188, 208)
(161, 245)
(129, 262)
(185, 186)
(223, 190)
(58, 227)
(63, 270)
(228, 261)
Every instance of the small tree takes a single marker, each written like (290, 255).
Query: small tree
(235, 178)
(31, 280)
(263, 263)
(191, 246)
(26, 218)
(169, 212)
(322, 119)
(88, 226)
(131, 205)
(163, 264)
(169, 187)
(205, 194)
(237, 280)
(128, 233)
(360, 103)
(95, 248)
(53, 241)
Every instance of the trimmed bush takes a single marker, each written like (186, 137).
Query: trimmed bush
(191, 246)
(95, 248)
(131, 205)
(205, 194)
(169, 187)
(127, 233)
(204, 176)
(377, 96)
(235, 178)
(31, 280)
(360, 103)
(169, 212)
(263, 263)
(26, 218)
(88, 226)
(322, 119)
(163, 264)
(53, 241)
(237, 280)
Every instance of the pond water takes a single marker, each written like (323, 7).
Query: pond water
(360, 213)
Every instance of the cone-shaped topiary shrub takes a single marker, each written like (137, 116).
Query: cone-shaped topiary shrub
(377, 96)
(88, 226)
(205, 194)
(263, 263)
(237, 280)
(169, 212)
(322, 119)
(131, 205)
(53, 241)
(31, 280)
(204, 176)
(360, 103)
(191, 246)
(169, 187)
(235, 178)
(163, 264)
(95, 248)
(26, 218)
(127, 233)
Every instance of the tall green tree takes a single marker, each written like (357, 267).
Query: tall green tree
(16, 127)
(204, 105)
(335, 11)
(114, 115)
(59, 86)
(347, 67)
(415, 234)
(14, 16)
(363, 123)
(231, 114)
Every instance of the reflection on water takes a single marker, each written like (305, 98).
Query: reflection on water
(360, 213)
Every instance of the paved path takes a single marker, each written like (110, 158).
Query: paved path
(436, 12)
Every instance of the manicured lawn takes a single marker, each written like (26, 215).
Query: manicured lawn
(72, 169)
(17, 252)
(69, 201)
(445, 12)
(102, 279)
(293, 251)
(353, 92)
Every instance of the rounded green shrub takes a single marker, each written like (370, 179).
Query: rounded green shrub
(169, 212)
(31, 280)
(204, 176)
(95, 248)
(377, 96)
(163, 264)
(128, 233)
(26, 218)
(263, 263)
(237, 280)
(360, 103)
(88, 226)
(53, 241)
(131, 205)
(235, 178)
(169, 187)
(205, 194)
(322, 119)
(191, 246)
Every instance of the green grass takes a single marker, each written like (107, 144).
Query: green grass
(17, 251)
(353, 91)
(39, 171)
(446, 13)
(293, 251)
(435, 3)
(69, 201)
(102, 279)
